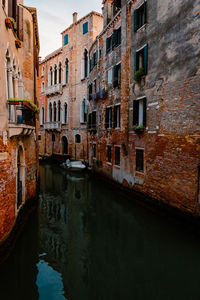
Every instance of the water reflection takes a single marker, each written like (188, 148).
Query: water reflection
(87, 243)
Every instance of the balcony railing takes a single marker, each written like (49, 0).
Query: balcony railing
(54, 89)
(53, 125)
(21, 118)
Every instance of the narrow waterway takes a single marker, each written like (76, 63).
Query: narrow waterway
(87, 242)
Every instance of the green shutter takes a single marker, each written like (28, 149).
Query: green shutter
(145, 59)
(114, 39)
(135, 20)
(144, 112)
(119, 36)
(136, 63)
(135, 112)
(145, 12)
(85, 28)
(66, 39)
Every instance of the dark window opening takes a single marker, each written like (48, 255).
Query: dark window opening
(140, 16)
(54, 111)
(65, 113)
(117, 156)
(109, 154)
(39, 138)
(139, 112)
(59, 111)
(108, 44)
(116, 6)
(90, 91)
(86, 64)
(116, 38)
(117, 76)
(94, 150)
(77, 139)
(51, 76)
(66, 71)
(89, 121)
(60, 73)
(139, 160)
(55, 75)
(50, 112)
(141, 60)
(94, 120)
(117, 116)
(53, 138)
(108, 117)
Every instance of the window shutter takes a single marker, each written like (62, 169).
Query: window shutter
(85, 28)
(90, 121)
(66, 39)
(107, 45)
(136, 63)
(135, 20)
(145, 59)
(82, 68)
(115, 76)
(119, 36)
(135, 112)
(81, 112)
(114, 39)
(144, 112)
(115, 117)
(107, 118)
(145, 12)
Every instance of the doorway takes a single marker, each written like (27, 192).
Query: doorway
(65, 145)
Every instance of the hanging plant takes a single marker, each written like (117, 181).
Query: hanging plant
(138, 74)
(9, 22)
(25, 102)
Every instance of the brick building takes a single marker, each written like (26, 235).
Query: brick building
(144, 99)
(19, 47)
(63, 90)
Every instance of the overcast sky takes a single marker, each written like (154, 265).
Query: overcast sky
(56, 15)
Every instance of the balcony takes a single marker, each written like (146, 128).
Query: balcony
(54, 89)
(53, 126)
(21, 118)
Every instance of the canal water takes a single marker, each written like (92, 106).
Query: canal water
(88, 242)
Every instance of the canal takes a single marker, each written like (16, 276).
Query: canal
(87, 242)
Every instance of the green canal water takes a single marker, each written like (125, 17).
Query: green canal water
(88, 242)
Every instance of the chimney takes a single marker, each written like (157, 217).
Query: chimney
(75, 14)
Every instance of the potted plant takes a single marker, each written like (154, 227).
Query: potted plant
(9, 22)
(138, 74)
(139, 129)
(18, 44)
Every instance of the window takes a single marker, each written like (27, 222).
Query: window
(66, 39)
(117, 116)
(50, 113)
(139, 160)
(108, 44)
(42, 73)
(55, 74)
(51, 76)
(109, 153)
(139, 112)
(116, 5)
(89, 121)
(141, 59)
(108, 117)
(90, 91)
(83, 111)
(110, 77)
(39, 137)
(94, 119)
(53, 138)
(117, 75)
(140, 16)
(116, 38)
(42, 87)
(42, 116)
(65, 114)
(85, 28)
(95, 86)
(93, 60)
(59, 111)
(60, 72)
(66, 71)
(117, 156)
(77, 139)
(94, 151)
(85, 64)
(54, 111)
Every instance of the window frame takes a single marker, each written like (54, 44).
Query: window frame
(137, 16)
(137, 114)
(107, 154)
(117, 163)
(137, 166)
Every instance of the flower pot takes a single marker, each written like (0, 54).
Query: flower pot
(8, 23)
(18, 44)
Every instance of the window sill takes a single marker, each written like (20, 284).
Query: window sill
(117, 166)
(142, 27)
(117, 128)
(109, 163)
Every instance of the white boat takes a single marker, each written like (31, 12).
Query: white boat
(76, 166)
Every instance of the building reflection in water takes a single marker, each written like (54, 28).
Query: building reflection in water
(91, 243)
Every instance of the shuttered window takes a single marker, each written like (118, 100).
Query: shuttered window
(140, 16)
(139, 112)
(117, 75)
(85, 28)
(116, 38)
(116, 123)
(108, 117)
(66, 39)
(139, 160)
(141, 59)
(108, 44)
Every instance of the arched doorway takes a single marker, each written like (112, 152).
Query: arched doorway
(65, 145)
(20, 177)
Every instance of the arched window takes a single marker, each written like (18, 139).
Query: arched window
(60, 72)
(55, 75)
(42, 116)
(51, 76)
(77, 139)
(50, 112)
(54, 111)
(65, 113)
(66, 71)
(59, 111)
(85, 63)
